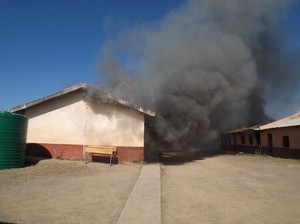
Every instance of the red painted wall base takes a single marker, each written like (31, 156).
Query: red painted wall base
(75, 152)
(61, 151)
(130, 154)
(276, 152)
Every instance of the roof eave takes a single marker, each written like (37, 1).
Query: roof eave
(75, 88)
(49, 97)
(135, 107)
(288, 126)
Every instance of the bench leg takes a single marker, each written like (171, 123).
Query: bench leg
(115, 157)
(110, 159)
(87, 161)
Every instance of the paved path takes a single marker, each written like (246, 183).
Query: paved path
(144, 203)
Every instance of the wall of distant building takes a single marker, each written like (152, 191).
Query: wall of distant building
(279, 142)
(239, 142)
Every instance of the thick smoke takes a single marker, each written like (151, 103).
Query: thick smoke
(204, 68)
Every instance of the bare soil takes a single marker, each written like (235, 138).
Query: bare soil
(60, 191)
(231, 189)
(195, 189)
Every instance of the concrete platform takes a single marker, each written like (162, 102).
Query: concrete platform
(144, 203)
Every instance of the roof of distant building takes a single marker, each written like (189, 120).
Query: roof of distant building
(237, 130)
(290, 121)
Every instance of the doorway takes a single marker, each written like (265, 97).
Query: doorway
(270, 144)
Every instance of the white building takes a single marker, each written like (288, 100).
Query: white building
(62, 124)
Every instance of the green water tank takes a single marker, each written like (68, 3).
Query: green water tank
(13, 130)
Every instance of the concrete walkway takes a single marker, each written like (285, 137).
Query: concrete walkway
(144, 202)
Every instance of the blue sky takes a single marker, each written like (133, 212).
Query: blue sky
(47, 45)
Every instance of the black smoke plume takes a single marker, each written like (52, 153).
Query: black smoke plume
(206, 67)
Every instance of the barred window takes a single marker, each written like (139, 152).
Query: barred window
(286, 141)
(251, 140)
(243, 139)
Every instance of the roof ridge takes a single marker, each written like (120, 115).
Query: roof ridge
(81, 85)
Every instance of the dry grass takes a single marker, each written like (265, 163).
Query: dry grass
(51, 167)
(61, 191)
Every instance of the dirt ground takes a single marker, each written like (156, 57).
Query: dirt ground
(60, 191)
(206, 189)
(231, 189)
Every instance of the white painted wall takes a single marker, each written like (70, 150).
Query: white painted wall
(58, 121)
(71, 120)
(115, 125)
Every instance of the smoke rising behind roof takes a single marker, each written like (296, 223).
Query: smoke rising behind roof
(204, 68)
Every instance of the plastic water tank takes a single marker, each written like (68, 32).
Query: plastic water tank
(13, 131)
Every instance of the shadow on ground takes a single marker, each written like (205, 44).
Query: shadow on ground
(32, 160)
(104, 159)
(7, 222)
(179, 158)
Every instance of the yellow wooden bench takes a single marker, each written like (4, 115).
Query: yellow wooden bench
(101, 150)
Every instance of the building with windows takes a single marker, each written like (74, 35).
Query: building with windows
(280, 138)
(245, 139)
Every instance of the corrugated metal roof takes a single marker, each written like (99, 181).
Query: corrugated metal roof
(290, 121)
(82, 86)
(238, 130)
(49, 97)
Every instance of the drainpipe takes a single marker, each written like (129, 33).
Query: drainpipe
(84, 131)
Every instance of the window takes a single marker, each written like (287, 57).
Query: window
(251, 140)
(286, 141)
(243, 139)
(229, 140)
